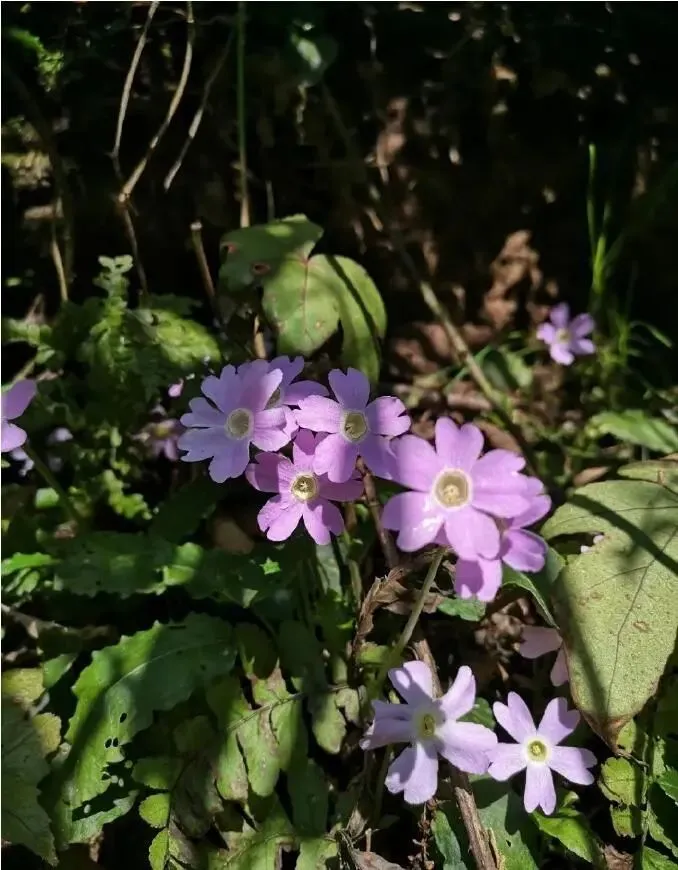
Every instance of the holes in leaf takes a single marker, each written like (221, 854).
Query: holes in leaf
(229, 247)
(260, 268)
(123, 716)
(116, 742)
(108, 743)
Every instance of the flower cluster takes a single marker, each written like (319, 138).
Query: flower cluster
(431, 726)
(479, 506)
(567, 338)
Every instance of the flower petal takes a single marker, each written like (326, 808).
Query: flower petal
(387, 416)
(561, 353)
(12, 436)
(348, 491)
(546, 333)
(386, 730)
(515, 718)
(414, 772)
(500, 504)
(523, 550)
(319, 414)
(497, 465)
(270, 512)
(461, 696)
(466, 745)
(320, 518)
(560, 315)
(559, 673)
(413, 681)
(17, 398)
(415, 463)
(480, 578)
(539, 789)
(203, 443)
(415, 516)
(506, 759)
(582, 346)
(558, 722)
(540, 505)
(257, 389)
(352, 388)
(295, 393)
(290, 368)
(573, 763)
(336, 457)
(202, 413)
(377, 453)
(538, 641)
(223, 390)
(472, 533)
(270, 437)
(231, 461)
(458, 447)
(286, 522)
(265, 473)
(303, 449)
(582, 325)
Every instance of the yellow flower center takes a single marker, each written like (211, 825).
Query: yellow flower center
(305, 487)
(354, 425)
(537, 750)
(563, 336)
(239, 423)
(452, 488)
(426, 725)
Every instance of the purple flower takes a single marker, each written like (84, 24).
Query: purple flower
(302, 494)
(241, 417)
(14, 402)
(538, 641)
(355, 427)
(456, 493)
(567, 338)
(162, 438)
(430, 725)
(519, 548)
(537, 750)
(288, 393)
(175, 390)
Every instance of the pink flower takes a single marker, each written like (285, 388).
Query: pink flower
(519, 548)
(539, 641)
(302, 494)
(14, 402)
(430, 725)
(456, 492)
(355, 427)
(241, 417)
(537, 750)
(567, 339)
(175, 390)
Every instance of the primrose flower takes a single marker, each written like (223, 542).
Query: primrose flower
(519, 548)
(537, 750)
(539, 641)
(241, 417)
(162, 437)
(14, 402)
(302, 494)
(567, 338)
(456, 491)
(430, 725)
(288, 393)
(354, 426)
(175, 390)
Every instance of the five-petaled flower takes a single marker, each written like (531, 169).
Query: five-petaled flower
(241, 417)
(456, 491)
(539, 641)
(355, 427)
(537, 750)
(519, 548)
(430, 725)
(302, 493)
(14, 402)
(567, 338)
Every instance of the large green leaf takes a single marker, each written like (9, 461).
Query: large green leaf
(306, 299)
(617, 604)
(259, 847)
(125, 684)
(571, 828)
(635, 426)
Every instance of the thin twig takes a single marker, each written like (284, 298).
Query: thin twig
(374, 506)
(197, 118)
(57, 259)
(205, 274)
(242, 140)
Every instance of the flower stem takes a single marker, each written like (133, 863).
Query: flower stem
(51, 480)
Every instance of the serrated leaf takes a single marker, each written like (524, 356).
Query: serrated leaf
(259, 848)
(155, 809)
(306, 299)
(159, 850)
(661, 819)
(125, 684)
(157, 771)
(626, 821)
(618, 604)
(22, 685)
(315, 853)
(22, 561)
(669, 783)
(571, 828)
(309, 794)
(469, 609)
(24, 821)
(622, 781)
(650, 859)
(635, 426)
(540, 585)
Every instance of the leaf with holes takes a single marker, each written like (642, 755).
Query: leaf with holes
(617, 604)
(306, 299)
(118, 693)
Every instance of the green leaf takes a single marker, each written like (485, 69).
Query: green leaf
(661, 819)
(506, 370)
(447, 842)
(123, 687)
(24, 821)
(182, 513)
(310, 797)
(617, 602)
(540, 585)
(315, 853)
(635, 426)
(571, 828)
(226, 700)
(157, 771)
(257, 848)
(469, 609)
(159, 850)
(627, 821)
(22, 685)
(22, 561)
(306, 299)
(155, 809)
(310, 54)
(650, 859)
(254, 251)
(622, 781)
(481, 714)
(669, 783)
